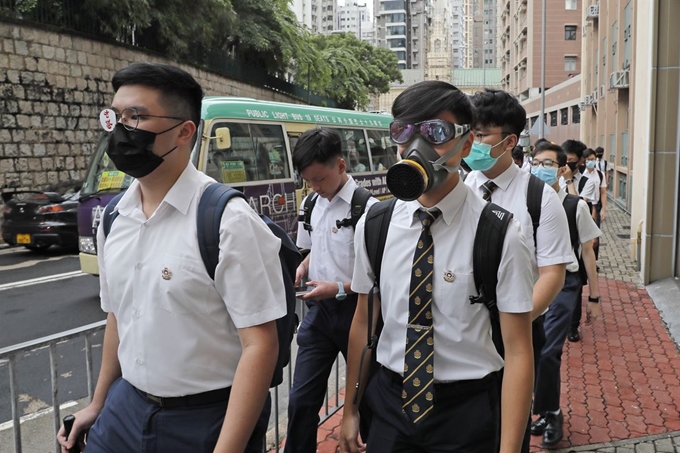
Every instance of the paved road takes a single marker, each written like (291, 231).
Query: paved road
(40, 295)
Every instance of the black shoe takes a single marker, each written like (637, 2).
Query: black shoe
(553, 432)
(574, 335)
(538, 426)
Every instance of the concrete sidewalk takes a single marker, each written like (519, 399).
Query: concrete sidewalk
(621, 382)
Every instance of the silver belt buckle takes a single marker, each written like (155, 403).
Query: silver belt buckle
(156, 399)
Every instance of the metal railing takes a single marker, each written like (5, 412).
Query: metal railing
(11, 354)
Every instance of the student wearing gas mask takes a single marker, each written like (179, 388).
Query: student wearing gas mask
(498, 124)
(438, 387)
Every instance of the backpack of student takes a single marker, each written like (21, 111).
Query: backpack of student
(487, 252)
(570, 205)
(534, 201)
(360, 198)
(209, 216)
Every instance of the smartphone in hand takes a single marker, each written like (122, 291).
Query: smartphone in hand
(68, 426)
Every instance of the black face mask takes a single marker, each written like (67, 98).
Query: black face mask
(582, 169)
(421, 169)
(572, 166)
(599, 156)
(131, 151)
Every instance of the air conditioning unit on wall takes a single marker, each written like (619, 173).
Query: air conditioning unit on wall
(593, 12)
(619, 80)
(582, 106)
(587, 100)
(594, 96)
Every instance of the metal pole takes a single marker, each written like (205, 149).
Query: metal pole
(14, 395)
(542, 117)
(55, 392)
(309, 83)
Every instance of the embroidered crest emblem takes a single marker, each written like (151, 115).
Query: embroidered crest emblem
(429, 396)
(418, 273)
(166, 274)
(416, 382)
(417, 354)
(429, 369)
(449, 277)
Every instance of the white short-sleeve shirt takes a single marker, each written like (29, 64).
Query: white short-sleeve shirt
(552, 244)
(586, 226)
(177, 327)
(462, 331)
(332, 248)
(594, 175)
(590, 192)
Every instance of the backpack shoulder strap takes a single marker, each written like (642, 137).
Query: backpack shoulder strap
(599, 173)
(208, 219)
(358, 204)
(534, 201)
(307, 208)
(110, 213)
(570, 205)
(486, 259)
(582, 183)
(375, 233)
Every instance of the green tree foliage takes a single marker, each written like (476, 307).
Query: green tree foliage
(345, 69)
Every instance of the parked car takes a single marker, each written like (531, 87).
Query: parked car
(40, 219)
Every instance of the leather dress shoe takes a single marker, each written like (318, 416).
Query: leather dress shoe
(538, 426)
(574, 336)
(553, 432)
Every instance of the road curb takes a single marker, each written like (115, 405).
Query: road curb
(618, 443)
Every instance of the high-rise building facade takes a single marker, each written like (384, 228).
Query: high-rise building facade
(519, 26)
(320, 16)
(483, 28)
(459, 33)
(440, 54)
(403, 26)
(355, 17)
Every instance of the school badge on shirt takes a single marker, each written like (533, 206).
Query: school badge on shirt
(166, 274)
(449, 277)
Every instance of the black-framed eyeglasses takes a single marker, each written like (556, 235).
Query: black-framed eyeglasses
(544, 163)
(130, 118)
(435, 132)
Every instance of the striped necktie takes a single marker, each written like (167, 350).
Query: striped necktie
(418, 386)
(487, 189)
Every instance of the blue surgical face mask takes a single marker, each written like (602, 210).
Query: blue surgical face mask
(480, 156)
(590, 164)
(547, 174)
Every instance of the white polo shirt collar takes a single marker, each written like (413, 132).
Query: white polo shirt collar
(449, 205)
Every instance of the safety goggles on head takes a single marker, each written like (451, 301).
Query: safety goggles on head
(434, 132)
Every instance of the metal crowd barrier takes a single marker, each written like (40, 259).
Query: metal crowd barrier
(12, 354)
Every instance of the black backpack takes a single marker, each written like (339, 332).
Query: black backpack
(360, 198)
(209, 215)
(487, 251)
(534, 200)
(570, 205)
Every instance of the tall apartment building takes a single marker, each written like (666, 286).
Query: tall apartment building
(320, 16)
(519, 26)
(459, 33)
(484, 30)
(403, 26)
(355, 17)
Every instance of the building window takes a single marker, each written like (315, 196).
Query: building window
(564, 116)
(570, 32)
(553, 118)
(570, 4)
(570, 63)
(575, 114)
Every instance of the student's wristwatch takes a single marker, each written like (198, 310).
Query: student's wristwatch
(341, 292)
(568, 181)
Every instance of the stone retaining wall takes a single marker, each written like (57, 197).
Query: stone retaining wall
(52, 88)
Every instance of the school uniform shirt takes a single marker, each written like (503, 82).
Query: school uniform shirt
(590, 190)
(526, 166)
(585, 225)
(552, 244)
(332, 248)
(594, 175)
(603, 166)
(463, 348)
(177, 327)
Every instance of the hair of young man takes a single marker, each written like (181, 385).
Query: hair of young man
(497, 108)
(541, 140)
(588, 152)
(557, 149)
(518, 153)
(599, 150)
(425, 100)
(180, 94)
(320, 145)
(574, 147)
